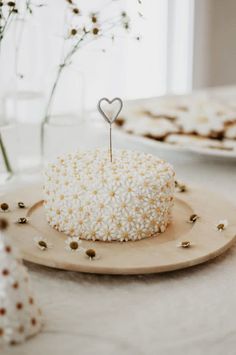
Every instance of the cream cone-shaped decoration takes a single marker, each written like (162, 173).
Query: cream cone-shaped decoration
(20, 317)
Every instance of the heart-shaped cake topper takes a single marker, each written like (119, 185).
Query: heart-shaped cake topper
(110, 119)
(105, 115)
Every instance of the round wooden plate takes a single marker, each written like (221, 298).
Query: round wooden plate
(156, 254)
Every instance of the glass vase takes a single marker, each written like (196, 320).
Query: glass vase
(23, 103)
(23, 112)
(64, 118)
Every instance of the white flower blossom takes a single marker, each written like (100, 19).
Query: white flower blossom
(73, 245)
(42, 243)
(221, 225)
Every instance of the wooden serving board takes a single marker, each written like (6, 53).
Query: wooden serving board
(156, 254)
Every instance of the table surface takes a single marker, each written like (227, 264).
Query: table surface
(191, 310)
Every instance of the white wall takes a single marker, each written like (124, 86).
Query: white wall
(215, 43)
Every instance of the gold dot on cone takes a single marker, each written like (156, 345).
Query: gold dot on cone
(3, 224)
(33, 321)
(2, 311)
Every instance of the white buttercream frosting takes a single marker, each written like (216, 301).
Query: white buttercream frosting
(88, 196)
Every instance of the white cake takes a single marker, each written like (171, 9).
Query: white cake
(88, 196)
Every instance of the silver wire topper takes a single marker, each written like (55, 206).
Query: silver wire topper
(110, 118)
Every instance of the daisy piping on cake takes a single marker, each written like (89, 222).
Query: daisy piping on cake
(110, 206)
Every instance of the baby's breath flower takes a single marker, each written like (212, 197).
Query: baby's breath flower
(184, 244)
(21, 205)
(193, 218)
(90, 33)
(126, 25)
(91, 253)
(22, 220)
(76, 11)
(94, 18)
(95, 31)
(73, 32)
(180, 187)
(11, 3)
(222, 225)
(42, 243)
(4, 207)
(73, 244)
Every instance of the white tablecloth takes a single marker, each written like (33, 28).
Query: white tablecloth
(190, 311)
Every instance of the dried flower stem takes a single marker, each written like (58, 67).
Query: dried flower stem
(5, 157)
(5, 25)
(66, 62)
(62, 66)
(5, 22)
(52, 93)
(2, 147)
(107, 25)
